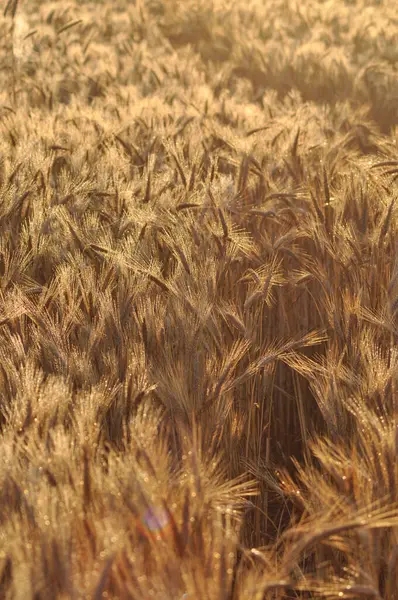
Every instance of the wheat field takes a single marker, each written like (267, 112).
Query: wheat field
(198, 300)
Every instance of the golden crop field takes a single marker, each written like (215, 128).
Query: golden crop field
(198, 300)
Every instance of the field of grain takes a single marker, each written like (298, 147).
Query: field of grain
(198, 300)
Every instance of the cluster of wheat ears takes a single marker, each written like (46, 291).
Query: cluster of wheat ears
(198, 300)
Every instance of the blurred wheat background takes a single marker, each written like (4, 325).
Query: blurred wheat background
(198, 300)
